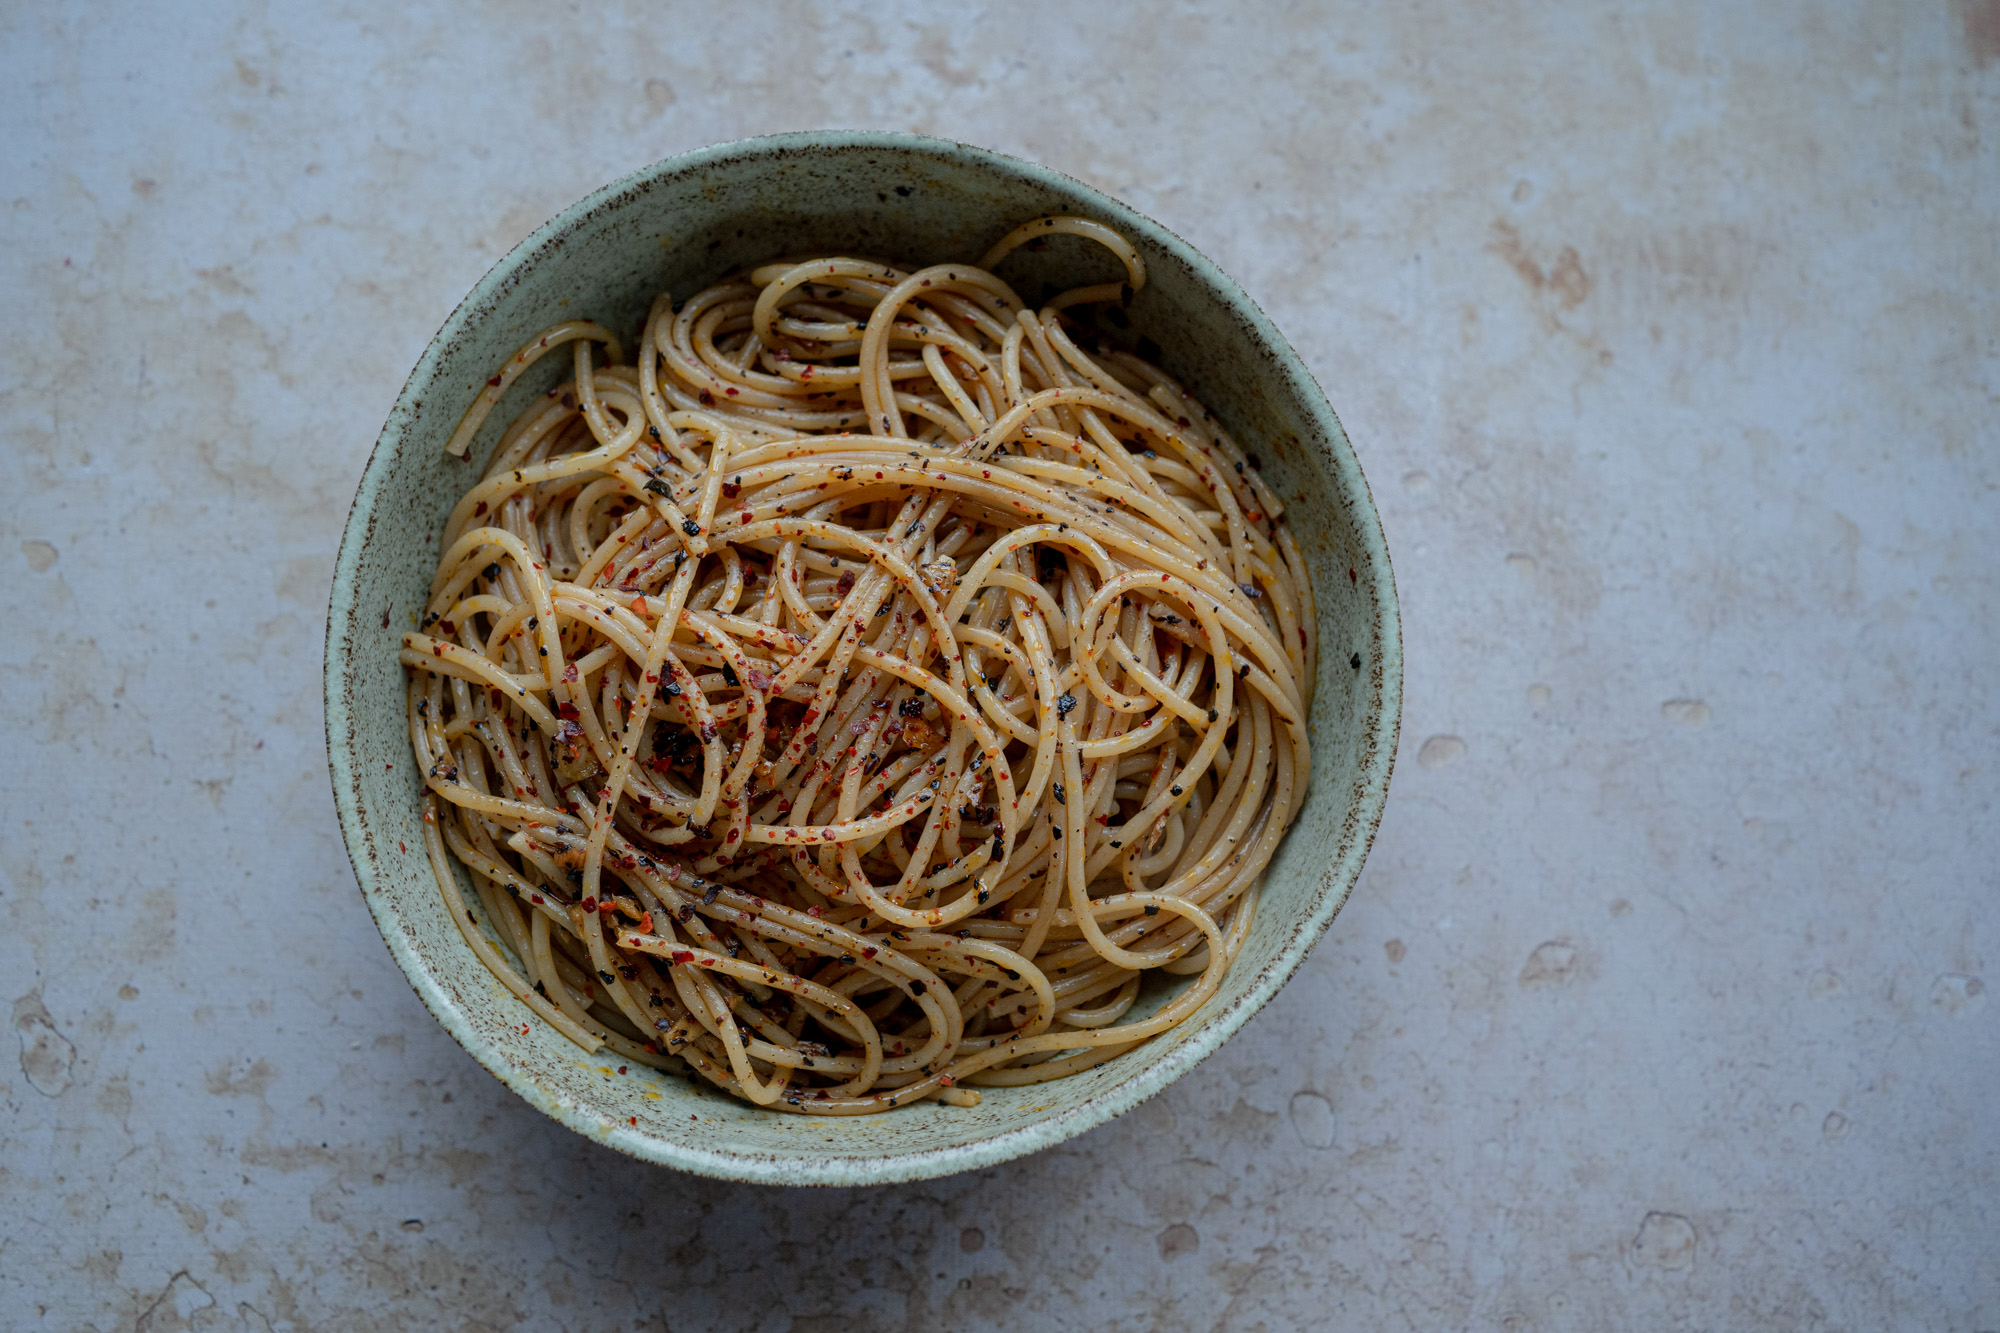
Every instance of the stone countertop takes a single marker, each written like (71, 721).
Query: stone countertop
(1669, 336)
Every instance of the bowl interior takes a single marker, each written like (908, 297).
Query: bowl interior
(675, 227)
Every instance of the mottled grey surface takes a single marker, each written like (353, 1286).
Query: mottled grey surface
(1670, 337)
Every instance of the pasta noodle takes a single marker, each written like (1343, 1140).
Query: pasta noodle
(852, 701)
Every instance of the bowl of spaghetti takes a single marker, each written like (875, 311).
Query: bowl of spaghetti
(856, 658)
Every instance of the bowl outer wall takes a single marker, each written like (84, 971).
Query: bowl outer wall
(910, 197)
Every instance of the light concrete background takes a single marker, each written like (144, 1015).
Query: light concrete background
(1669, 335)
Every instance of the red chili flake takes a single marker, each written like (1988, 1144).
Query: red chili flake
(589, 904)
(808, 373)
(682, 956)
(447, 627)
(1352, 577)
(569, 674)
(606, 907)
(731, 489)
(730, 392)
(632, 1119)
(479, 509)
(493, 383)
(402, 847)
(707, 398)
(646, 923)
(639, 605)
(621, 1069)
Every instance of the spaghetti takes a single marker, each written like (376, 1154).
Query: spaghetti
(854, 700)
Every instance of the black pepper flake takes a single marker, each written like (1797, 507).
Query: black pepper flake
(658, 487)
(1212, 715)
(912, 707)
(729, 674)
(690, 527)
(492, 571)
(605, 977)
(1064, 702)
(916, 988)
(1176, 789)
(1152, 909)
(1355, 661)
(1062, 797)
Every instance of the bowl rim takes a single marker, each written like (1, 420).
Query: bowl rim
(1371, 786)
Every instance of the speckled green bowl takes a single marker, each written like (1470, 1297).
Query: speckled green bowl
(675, 226)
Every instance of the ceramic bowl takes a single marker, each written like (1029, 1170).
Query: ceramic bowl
(675, 226)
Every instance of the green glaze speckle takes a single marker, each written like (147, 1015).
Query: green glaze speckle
(675, 226)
